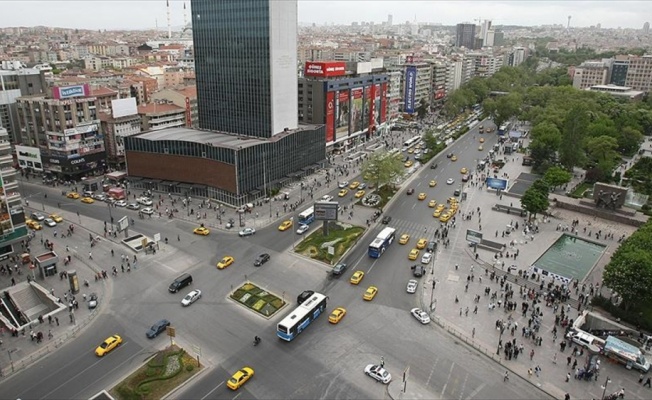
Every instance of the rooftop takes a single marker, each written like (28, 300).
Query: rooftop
(154, 108)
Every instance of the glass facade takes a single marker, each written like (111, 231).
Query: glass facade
(232, 65)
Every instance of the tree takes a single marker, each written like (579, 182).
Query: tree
(546, 139)
(534, 201)
(382, 168)
(506, 107)
(557, 176)
(629, 274)
(602, 148)
(430, 140)
(629, 140)
(570, 152)
(422, 110)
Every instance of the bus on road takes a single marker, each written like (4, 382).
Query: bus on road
(503, 129)
(411, 142)
(307, 216)
(382, 242)
(301, 317)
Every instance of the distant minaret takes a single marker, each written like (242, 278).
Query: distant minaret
(185, 18)
(169, 24)
(568, 26)
(156, 24)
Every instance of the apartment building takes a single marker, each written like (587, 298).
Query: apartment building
(394, 95)
(12, 214)
(639, 73)
(156, 116)
(185, 98)
(13, 84)
(415, 84)
(590, 73)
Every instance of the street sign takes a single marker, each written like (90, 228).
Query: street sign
(326, 210)
(497, 183)
(172, 332)
(473, 236)
(123, 223)
(157, 237)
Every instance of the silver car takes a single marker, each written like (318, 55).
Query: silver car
(191, 297)
(412, 286)
(420, 315)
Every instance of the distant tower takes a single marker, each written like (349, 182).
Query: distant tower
(568, 25)
(169, 23)
(646, 27)
(390, 19)
(185, 17)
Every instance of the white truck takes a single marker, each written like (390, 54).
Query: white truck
(625, 353)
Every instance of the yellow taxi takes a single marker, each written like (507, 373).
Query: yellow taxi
(421, 244)
(422, 196)
(240, 378)
(33, 225)
(73, 195)
(225, 262)
(452, 200)
(370, 293)
(440, 207)
(409, 163)
(404, 239)
(481, 140)
(432, 183)
(337, 315)
(454, 206)
(437, 213)
(410, 151)
(359, 194)
(56, 218)
(432, 203)
(285, 225)
(454, 158)
(414, 253)
(354, 185)
(464, 171)
(109, 344)
(201, 231)
(445, 217)
(356, 277)
(87, 200)
(343, 192)
(452, 211)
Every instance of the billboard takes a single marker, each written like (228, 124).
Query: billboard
(473, 236)
(410, 89)
(325, 69)
(376, 105)
(366, 108)
(124, 107)
(67, 92)
(383, 103)
(330, 117)
(29, 157)
(343, 113)
(356, 110)
(326, 210)
(5, 218)
(497, 183)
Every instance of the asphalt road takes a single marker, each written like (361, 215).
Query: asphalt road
(326, 361)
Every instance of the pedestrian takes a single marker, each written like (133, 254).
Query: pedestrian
(529, 373)
(506, 377)
(554, 359)
(537, 370)
(473, 333)
(90, 255)
(567, 396)
(568, 377)
(50, 334)
(56, 319)
(648, 382)
(568, 360)
(574, 364)
(532, 355)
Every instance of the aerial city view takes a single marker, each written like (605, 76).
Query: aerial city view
(293, 199)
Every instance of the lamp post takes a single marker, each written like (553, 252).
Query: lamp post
(110, 214)
(604, 387)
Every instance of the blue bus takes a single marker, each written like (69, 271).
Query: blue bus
(292, 325)
(307, 216)
(382, 242)
(503, 129)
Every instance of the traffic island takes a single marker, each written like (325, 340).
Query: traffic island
(258, 300)
(380, 197)
(164, 372)
(340, 238)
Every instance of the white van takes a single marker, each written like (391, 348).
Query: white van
(586, 340)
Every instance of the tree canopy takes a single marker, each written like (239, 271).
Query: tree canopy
(382, 168)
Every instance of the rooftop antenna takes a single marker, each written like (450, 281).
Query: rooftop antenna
(169, 24)
(185, 18)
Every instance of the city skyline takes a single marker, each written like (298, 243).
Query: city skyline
(137, 15)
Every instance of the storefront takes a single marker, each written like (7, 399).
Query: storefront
(75, 168)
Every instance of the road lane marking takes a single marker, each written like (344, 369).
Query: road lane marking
(214, 389)
(237, 395)
(432, 371)
(447, 380)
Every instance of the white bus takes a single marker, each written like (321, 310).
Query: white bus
(382, 242)
(411, 142)
(301, 317)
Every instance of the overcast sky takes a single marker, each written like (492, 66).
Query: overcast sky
(139, 14)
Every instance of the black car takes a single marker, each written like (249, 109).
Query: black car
(261, 259)
(92, 301)
(433, 166)
(418, 271)
(386, 219)
(339, 269)
(410, 191)
(157, 328)
(456, 192)
(431, 247)
(449, 155)
(304, 296)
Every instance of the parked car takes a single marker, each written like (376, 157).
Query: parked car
(261, 259)
(418, 271)
(412, 286)
(339, 269)
(420, 315)
(378, 373)
(157, 328)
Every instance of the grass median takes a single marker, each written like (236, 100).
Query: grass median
(341, 236)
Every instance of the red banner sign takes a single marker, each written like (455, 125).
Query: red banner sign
(324, 69)
(330, 117)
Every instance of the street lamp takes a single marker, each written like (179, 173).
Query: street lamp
(110, 215)
(604, 387)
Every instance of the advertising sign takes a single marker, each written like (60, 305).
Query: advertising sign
(383, 103)
(29, 157)
(497, 183)
(366, 108)
(5, 218)
(356, 110)
(410, 89)
(124, 107)
(67, 92)
(473, 236)
(343, 112)
(330, 117)
(326, 210)
(375, 110)
(325, 69)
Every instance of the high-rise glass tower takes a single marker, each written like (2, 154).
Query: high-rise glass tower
(246, 65)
